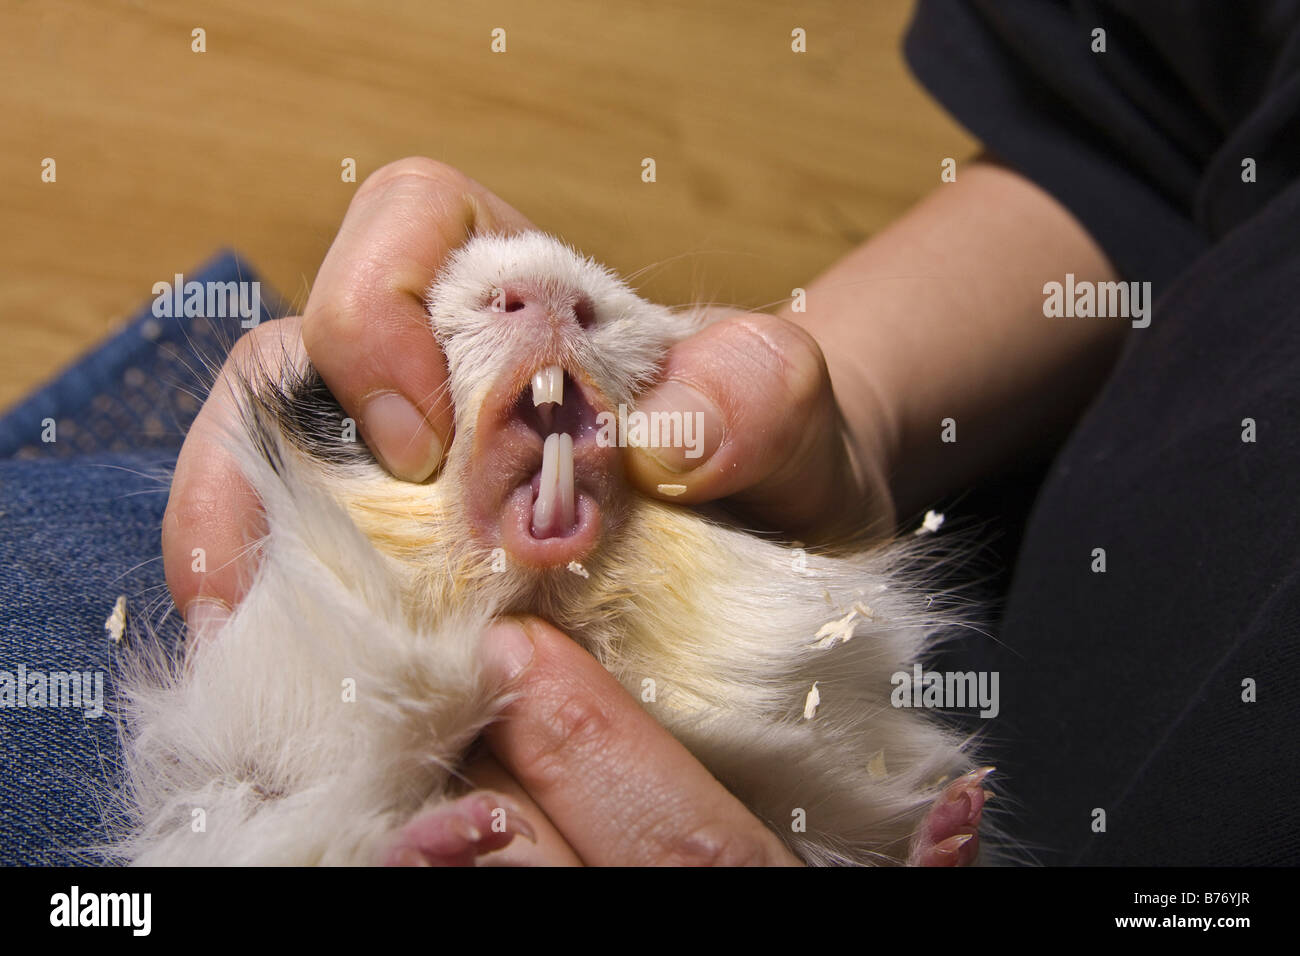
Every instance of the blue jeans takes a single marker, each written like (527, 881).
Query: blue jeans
(74, 536)
(84, 471)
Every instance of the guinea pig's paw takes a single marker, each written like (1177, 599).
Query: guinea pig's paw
(458, 832)
(949, 834)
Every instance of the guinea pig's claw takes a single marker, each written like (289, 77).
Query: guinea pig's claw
(949, 834)
(458, 832)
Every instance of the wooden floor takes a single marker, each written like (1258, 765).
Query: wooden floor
(769, 163)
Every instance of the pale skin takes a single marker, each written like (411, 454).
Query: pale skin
(938, 316)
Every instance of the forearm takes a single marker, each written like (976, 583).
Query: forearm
(941, 316)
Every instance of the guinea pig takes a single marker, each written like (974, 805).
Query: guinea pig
(331, 713)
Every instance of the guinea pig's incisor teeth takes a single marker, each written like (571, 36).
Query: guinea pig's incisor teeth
(548, 385)
(555, 511)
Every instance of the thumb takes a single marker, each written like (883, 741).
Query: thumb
(772, 437)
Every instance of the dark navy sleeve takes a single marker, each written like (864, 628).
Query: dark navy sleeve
(1142, 139)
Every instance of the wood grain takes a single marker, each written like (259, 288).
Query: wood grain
(770, 164)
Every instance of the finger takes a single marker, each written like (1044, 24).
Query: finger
(365, 325)
(213, 516)
(548, 849)
(616, 785)
(772, 435)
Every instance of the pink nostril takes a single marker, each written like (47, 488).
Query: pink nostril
(579, 307)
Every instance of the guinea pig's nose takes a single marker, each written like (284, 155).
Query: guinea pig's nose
(530, 305)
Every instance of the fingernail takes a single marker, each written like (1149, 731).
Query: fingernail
(507, 650)
(950, 847)
(514, 817)
(400, 436)
(523, 828)
(204, 617)
(691, 432)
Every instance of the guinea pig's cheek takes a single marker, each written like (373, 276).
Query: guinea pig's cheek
(539, 482)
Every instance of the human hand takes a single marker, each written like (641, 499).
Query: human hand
(366, 330)
(596, 780)
(774, 442)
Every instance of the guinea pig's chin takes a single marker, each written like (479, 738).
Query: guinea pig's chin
(542, 486)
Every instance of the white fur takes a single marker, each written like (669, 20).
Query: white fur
(372, 580)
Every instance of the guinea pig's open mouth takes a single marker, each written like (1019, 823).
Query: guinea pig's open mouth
(543, 409)
(540, 478)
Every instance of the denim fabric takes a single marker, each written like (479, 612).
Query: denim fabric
(74, 535)
(139, 389)
(79, 527)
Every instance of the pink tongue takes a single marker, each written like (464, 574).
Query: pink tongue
(554, 512)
